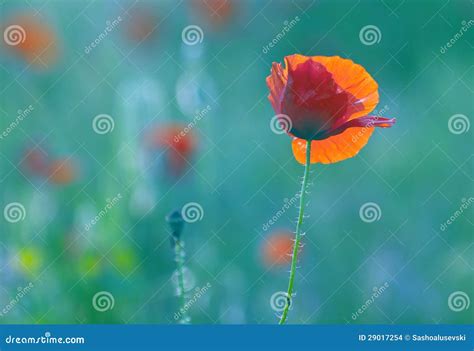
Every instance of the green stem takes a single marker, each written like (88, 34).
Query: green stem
(179, 258)
(296, 246)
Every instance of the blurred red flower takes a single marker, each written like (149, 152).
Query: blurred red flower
(217, 12)
(35, 161)
(326, 100)
(62, 171)
(179, 144)
(142, 24)
(32, 38)
(278, 248)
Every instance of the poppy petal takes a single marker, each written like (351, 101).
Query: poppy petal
(335, 148)
(354, 79)
(366, 122)
(276, 82)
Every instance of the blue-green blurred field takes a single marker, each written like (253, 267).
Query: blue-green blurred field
(240, 172)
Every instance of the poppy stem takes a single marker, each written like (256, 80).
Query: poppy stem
(296, 246)
(179, 258)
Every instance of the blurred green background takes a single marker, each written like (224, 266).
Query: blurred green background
(148, 80)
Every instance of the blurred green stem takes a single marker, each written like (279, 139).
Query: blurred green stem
(179, 258)
(296, 246)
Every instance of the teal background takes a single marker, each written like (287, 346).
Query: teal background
(418, 172)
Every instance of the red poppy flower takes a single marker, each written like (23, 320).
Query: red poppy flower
(179, 142)
(325, 100)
